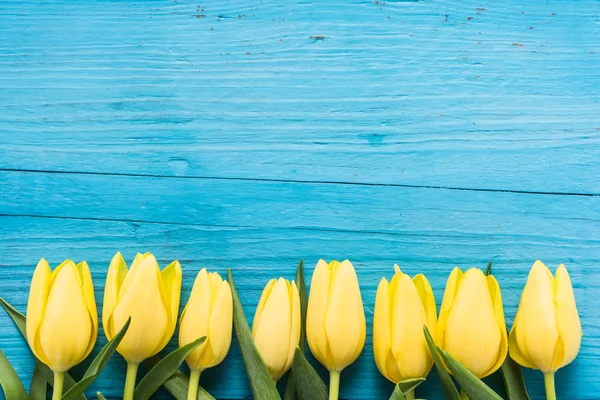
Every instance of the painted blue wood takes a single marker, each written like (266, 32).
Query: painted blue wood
(247, 135)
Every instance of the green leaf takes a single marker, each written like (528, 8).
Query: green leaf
(163, 370)
(403, 387)
(309, 385)
(450, 392)
(97, 365)
(290, 387)
(178, 383)
(472, 385)
(263, 387)
(9, 380)
(37, 390)
(19, 320)
(488, 269)
(397, 394)
(512, 373)
(301, 285)
(100, 397)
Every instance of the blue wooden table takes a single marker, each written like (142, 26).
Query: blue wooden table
(250, 134)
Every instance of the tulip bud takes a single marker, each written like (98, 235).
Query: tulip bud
(335, 319)
(276, 325)
(546, 334)
(147, 295)
(471, 324)
(62, 322)
(209, 312)
(402, 307)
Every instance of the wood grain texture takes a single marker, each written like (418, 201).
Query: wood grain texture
(248, 135)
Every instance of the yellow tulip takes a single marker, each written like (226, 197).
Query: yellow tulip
(276, 325)
(151, 298)
(402, 307)
(62, 322)
(471, 324)
(209, 312)
(546, 333)
(335, 319)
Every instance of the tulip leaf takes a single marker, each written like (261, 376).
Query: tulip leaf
(261, 383)
(177, 384)
(402, 388)
(19, 320)
(488, 269)
(9, 380)
(100, 396)
(448, 387)
(163, 370)
(290, 387)
(97, 365)
(512, 373)
(472, 385)
(309, 385)
(38, 387)
(301, 285)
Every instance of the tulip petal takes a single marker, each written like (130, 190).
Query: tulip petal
(567, 317)
(496, 297)
(115, 277)
(382, 341)
(143, 303)
(449, 294)
(472, 335)
(535, 323)
(296, 322)
(261, 303)
(133, 269)
(195, 318)
(407, 320)
(315, 315)
(345, 324)
(272, 334)
(90, 302)
(515, 352)
(221, 322)
(171, 277)
(428, 301)
(36, 304)
(66, 329)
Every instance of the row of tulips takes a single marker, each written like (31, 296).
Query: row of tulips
(468, 338)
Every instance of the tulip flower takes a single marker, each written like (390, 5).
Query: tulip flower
(471, 324)
(209, 312)
(276, 325)
(62, 322)
(335, 319)
(151, 298)
(402, 307)
(546, 334)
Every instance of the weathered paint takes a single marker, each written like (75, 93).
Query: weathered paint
(231, 135)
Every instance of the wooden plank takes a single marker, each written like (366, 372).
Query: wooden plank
(261, 229)
(256, 255)
(439, 94)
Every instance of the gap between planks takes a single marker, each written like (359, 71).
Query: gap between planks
(316, 182)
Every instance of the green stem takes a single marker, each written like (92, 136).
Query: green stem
(334, 385)
(549, 383)
(132, 369)
(194, 382)
(463, 395)
(410, 395)
(59, 378)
